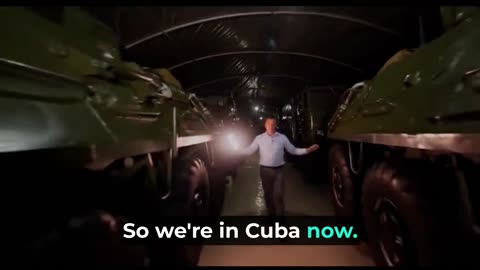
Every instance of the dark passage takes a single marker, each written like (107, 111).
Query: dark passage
(245, 197)
(116, 115)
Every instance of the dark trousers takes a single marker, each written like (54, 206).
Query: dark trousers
(273, 189)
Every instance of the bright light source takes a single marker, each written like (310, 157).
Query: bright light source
(261, 118)
(256, 108)
(235, 146)
(284, 117)
(232, 141)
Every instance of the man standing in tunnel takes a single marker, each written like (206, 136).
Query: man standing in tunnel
(272, 145)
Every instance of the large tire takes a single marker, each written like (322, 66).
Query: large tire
(90, 241)
(409, 208)
(341, 182)
(218, 182)
(191, 187)
(190, 198)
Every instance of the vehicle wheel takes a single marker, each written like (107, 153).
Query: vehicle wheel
(217, 193)
(406, 214)
(89, 241)
(341, 182)
(191, 198)
(193, 187)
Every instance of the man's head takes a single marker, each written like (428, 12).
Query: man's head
(270, 125)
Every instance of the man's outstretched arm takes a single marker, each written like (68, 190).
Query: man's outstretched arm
(298, 151)
(252, 148)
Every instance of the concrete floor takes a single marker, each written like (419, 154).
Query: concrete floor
(245, 197)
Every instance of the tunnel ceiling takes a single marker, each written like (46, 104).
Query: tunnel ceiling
(266, 53)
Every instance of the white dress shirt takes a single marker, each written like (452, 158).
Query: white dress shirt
(272, 149)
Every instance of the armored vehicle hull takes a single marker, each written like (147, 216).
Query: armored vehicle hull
(404, 150)
(92, 142)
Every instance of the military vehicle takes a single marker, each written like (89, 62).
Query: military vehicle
(312, 110)
(222, 110)
(231, 134)
(404, 155)
(92, 142)
(304, 121)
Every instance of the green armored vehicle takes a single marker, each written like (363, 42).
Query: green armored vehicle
(304, 120)
(313, 109)
(405, 150)
(92, 142)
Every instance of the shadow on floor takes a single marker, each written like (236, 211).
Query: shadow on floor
(245, 197)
